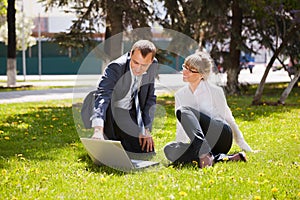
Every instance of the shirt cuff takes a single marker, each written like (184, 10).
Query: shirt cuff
(97, 122)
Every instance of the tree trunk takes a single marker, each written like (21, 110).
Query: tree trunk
(232, 81)
(11, 47)
(114, 26)
(233, 68)
(287, 90)
(259, 90)
(11, 72)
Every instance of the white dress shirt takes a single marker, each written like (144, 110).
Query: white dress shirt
(126, 102)
(209, 99)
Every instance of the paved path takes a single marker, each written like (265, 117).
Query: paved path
(168, 83)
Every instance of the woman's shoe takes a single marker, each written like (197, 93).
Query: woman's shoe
(241, 156)
(206, 160)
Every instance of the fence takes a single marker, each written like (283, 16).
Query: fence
(56, 61)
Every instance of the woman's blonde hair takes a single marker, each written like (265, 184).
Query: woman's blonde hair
(201, 61)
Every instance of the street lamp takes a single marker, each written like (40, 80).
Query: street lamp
(39, 46)
(23, 42)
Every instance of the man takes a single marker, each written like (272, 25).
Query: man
(116, 114)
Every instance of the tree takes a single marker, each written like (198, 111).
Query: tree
(115, 15)
(11, 46)
(293, 51)
(279, 31)
(234, 51)
(220, 24)
(3, 5)
(259, 90)
(230, 27)
(16, 28)
(24, 26)
(287, 90)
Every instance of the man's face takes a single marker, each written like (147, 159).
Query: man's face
(138, 63)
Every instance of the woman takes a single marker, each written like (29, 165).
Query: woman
(205, 126)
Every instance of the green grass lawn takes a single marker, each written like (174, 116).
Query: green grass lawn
(41, 156)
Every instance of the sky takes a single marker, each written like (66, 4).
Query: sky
(58, 20)
(32, 8)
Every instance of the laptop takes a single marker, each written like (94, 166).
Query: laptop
(112, 154)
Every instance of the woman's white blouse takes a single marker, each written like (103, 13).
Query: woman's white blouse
(209, 99)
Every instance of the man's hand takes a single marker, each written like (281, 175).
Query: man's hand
(98, 133)
(146, 141)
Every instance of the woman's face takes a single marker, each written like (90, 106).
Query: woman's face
(190, 74)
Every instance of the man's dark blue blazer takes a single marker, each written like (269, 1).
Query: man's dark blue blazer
(113, 86)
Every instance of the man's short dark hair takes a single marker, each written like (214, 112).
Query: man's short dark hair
(145, 46)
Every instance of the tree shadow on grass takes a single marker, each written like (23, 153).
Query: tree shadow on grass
(42, 133)
(40, 130)
(37, 132)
